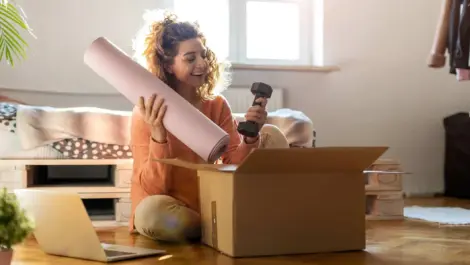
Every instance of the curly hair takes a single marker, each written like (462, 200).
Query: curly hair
(156, 45)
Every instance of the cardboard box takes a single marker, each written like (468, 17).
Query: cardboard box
(285, 201)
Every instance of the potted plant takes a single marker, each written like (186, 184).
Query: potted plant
(15, 225)
(12, 20)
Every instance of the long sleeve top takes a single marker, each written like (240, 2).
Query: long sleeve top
(153, 178)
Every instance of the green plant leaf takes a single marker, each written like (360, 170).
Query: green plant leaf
(15, 224)
(2, 49)
(14, 14)
(12, 44)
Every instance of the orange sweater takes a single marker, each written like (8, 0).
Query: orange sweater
(153, 178)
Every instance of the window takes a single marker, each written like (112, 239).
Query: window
(263, 28)
(259, 32)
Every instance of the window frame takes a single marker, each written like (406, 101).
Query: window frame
(310, 43)
(238, 35)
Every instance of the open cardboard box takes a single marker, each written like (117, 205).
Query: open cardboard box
(285, 201)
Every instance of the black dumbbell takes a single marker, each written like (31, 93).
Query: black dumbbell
(251, 128)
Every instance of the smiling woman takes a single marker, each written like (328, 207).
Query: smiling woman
(165, 199)
(12, 44)
(155, 48)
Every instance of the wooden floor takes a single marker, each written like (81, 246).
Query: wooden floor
(389, 242)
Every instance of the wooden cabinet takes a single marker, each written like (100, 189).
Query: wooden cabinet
(103, 185)
(384, 192)
(123, 176)
(123, 210)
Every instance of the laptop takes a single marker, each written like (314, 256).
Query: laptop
(63, 228)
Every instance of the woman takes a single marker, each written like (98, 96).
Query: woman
(165, 199)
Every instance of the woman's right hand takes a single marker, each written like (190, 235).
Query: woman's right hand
(153, 113)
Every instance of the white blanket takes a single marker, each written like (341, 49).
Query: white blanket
(37, 126)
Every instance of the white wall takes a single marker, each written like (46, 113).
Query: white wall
(383, 95)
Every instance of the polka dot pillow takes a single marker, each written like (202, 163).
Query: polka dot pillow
(8, 117)
(83, 149)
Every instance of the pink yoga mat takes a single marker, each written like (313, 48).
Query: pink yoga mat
(182, 120)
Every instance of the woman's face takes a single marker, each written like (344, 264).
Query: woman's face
(190, 65)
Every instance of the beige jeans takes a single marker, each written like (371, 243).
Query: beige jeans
(161, 217)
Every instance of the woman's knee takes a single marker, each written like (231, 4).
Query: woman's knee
(272, 137)
(164, 218)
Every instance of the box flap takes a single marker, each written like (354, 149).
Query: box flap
(196, 166)
(305, 160)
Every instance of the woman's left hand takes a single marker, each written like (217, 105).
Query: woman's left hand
(257, 114)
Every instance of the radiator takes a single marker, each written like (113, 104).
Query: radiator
(241, 98)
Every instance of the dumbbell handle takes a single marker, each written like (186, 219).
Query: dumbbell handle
(257, 96)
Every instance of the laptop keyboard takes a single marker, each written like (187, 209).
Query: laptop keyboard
(114, 253)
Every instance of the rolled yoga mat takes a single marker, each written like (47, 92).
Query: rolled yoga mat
(181, 119)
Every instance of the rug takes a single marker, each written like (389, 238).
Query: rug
(441, 215)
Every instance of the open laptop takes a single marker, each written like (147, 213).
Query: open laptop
(63, 228)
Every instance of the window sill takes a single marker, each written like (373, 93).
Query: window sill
(290, 68)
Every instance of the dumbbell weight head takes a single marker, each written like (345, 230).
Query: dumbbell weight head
(250, 128)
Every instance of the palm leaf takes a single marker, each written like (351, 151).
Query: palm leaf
(12, 44)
